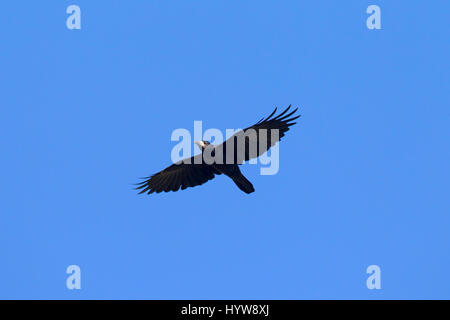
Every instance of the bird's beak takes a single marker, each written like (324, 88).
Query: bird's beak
(199, 144)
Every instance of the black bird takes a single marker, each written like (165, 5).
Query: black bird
(194, 171)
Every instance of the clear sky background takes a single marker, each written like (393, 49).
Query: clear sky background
(364, 175)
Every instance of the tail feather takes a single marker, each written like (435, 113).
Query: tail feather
(243, 184)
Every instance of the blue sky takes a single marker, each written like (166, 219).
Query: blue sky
(364, 175)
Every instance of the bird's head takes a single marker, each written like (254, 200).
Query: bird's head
(202, 144)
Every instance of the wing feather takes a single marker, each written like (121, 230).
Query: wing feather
(182, 174)
(270, 124)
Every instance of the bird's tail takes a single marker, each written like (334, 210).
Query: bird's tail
(243, 184)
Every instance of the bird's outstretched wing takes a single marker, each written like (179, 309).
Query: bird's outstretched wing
(248, 144)
(183, 174)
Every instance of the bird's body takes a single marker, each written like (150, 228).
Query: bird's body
(233, 171)
(222, 159)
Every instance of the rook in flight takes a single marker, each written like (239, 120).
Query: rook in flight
(244, 145)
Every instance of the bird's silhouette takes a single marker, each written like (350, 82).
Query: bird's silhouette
(224, 158)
